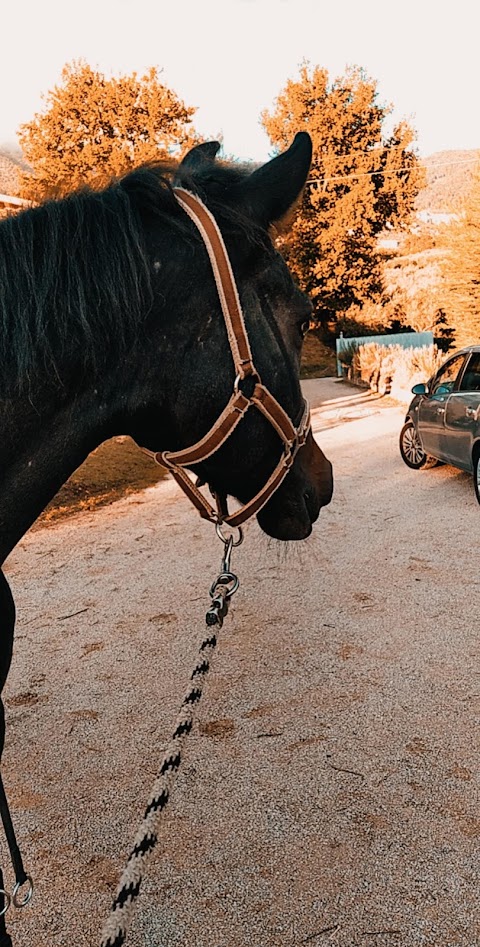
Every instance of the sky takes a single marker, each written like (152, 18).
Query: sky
(231, 58)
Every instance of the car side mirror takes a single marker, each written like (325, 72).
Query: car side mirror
(419, 390)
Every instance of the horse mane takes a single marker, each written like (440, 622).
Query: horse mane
(75, 277)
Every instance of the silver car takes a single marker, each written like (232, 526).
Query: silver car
(443, 419)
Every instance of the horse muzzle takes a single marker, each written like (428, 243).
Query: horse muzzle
(294, 508)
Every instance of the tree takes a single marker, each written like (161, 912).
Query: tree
(94, 128)
(461, 269)
(360, 183)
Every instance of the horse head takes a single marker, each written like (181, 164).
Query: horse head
(111, 323)
(198, 373)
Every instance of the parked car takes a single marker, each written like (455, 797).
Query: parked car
(442, 423)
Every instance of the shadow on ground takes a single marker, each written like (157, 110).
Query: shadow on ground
(114, 470)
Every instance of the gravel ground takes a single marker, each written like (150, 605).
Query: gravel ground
(329, 793)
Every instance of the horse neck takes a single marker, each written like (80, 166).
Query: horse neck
(42, 444)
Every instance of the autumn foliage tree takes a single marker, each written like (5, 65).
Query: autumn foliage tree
(94, 128)
(461, 269)
(360, 183)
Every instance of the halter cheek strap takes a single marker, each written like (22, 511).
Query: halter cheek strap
(293, 437)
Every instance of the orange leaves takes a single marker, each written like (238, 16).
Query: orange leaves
(94, 128)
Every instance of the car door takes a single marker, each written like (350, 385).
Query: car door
(462, 412)
(432, 408)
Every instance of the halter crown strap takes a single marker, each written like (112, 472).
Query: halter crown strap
(239, 403)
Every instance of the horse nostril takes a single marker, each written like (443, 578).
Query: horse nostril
(312, 504)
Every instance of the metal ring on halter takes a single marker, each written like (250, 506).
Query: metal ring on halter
(22, 902)
(240, 378)
(6, 901)
(226, 539)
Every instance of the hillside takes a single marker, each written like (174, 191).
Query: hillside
(11, 162)
(8, 175)
(449, 178)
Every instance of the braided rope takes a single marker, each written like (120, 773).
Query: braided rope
(116, 926)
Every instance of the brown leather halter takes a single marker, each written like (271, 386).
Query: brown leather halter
(292, 437)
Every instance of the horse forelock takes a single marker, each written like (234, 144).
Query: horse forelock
(75, 278)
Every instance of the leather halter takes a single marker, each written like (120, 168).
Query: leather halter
(293, 437)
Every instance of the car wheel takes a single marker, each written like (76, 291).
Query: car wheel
(476, 475)
(412, 451)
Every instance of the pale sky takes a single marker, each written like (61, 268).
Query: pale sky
(231, 58)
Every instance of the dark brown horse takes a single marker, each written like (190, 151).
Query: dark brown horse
(110, 323)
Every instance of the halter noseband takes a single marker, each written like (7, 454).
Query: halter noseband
(292, 437)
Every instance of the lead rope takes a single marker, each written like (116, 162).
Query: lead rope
(128, 890)
(19, 898)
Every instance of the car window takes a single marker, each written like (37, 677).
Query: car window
(471, 377)
(448, 374)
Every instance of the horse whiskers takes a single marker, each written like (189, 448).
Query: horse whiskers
(286, 551)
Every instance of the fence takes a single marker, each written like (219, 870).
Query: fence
(405, 339)
(10, 204)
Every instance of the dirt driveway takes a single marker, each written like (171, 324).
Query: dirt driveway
(330, 791)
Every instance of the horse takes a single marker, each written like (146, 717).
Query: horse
(111, 324)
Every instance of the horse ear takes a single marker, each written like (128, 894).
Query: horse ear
(270, 191)
(200, 155)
